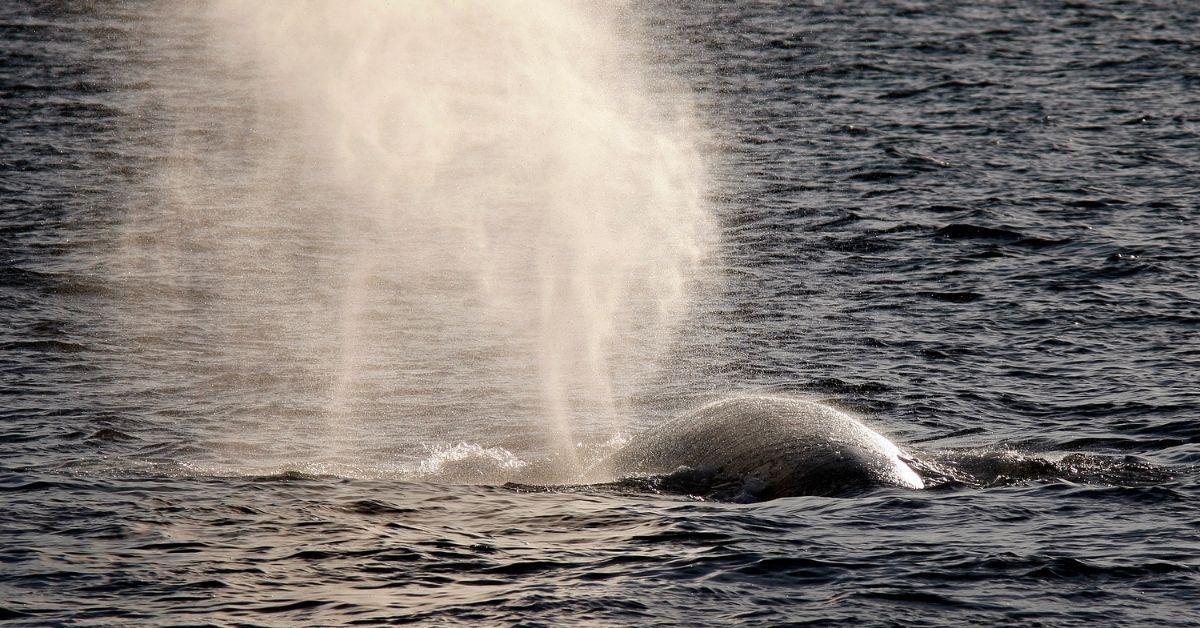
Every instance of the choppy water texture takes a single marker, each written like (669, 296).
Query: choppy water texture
(972, 224)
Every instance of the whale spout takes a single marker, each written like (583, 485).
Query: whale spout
(763, 447)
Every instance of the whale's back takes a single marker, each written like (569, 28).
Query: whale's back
(774, 446)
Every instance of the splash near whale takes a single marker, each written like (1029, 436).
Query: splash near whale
(444, 215)
(764, 447)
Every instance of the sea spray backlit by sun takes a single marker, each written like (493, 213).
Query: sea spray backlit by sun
(459, 212)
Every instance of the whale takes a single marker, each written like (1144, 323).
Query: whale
(762, 447)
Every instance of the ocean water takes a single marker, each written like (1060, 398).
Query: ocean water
(233, 396)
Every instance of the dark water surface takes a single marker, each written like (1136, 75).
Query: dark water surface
(974, 224)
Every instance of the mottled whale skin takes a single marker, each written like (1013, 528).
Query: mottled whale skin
(775, 446)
